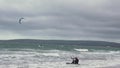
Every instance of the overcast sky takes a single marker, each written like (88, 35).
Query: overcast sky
(60, 19)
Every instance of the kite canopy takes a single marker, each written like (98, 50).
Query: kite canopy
(20, 20)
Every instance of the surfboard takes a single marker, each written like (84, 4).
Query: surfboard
(72, 63)
(68, 63)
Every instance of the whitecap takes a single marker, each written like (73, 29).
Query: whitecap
(82, 50)
(50, 54)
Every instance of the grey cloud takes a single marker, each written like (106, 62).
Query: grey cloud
(63, 19)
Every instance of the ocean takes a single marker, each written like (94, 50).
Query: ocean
(45, 54)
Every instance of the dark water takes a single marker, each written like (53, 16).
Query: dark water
(59, 44)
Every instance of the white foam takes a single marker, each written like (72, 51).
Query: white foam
(114, 52)
(50, 54)
(103, 52)
(82, 50)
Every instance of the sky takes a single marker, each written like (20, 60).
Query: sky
(60, 19)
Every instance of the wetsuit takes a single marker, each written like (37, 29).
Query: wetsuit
(75, 61)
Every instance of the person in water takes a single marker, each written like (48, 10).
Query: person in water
(75, 60)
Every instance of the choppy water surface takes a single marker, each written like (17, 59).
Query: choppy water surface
(37, 58)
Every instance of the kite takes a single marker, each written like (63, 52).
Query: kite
(20, 20)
